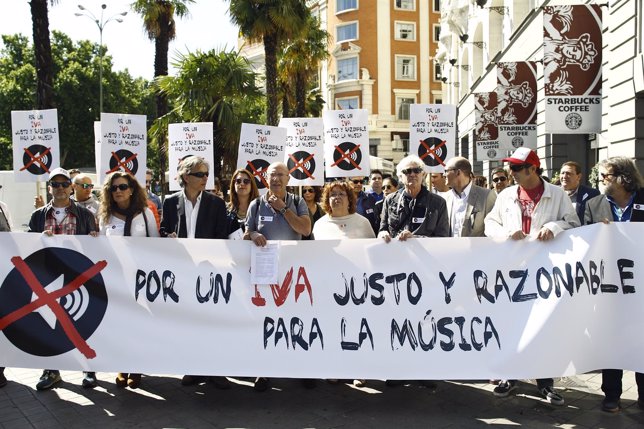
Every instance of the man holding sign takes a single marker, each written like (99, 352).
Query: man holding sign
(533, 207)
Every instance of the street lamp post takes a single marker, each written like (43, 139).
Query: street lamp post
(100, 23)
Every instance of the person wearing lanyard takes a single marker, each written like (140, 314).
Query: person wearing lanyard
(622, 200)
(62, 216)
(533, 208)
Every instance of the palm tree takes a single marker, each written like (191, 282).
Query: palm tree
(216, 87)
(300, 59)
(42, 50)
(158, 22)
(271, 22)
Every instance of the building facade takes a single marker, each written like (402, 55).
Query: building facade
(479, 33)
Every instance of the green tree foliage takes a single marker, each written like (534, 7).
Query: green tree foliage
(271, 22)
(75, 89)
(217, 87)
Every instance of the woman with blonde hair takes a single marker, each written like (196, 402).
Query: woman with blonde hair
(124, 212)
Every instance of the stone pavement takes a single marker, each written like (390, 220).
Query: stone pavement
(162, 402)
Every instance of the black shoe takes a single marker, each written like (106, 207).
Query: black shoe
(190, 380)
(48, 379)
(261, 384)
(504, 388)
(309, 383)
(610, 405)
(89, 381)
(221, 382)
(549, 394)
(3, 379)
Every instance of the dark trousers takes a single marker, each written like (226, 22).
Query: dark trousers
(612, 383)
(542, 382)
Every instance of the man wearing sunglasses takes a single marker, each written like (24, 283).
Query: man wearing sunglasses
(413, 211)
(365, 204)
(62, 215)
(500, 179)
(531, 208)
(467, 203)
(570, 176)
(622, 201)
(83, 187)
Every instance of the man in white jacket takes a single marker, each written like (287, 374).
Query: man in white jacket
(531, 208)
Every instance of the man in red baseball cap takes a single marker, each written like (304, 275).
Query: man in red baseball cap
(531, 208)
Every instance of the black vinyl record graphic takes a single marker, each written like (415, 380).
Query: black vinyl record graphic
(41, 332)
(42, 163)
(437, 153)
(258, 167)
(347, 156)
(304, 168)
(124, 161)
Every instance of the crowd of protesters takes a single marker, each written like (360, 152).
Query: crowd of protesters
(453, 203)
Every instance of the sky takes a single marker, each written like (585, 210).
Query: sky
(207, 27)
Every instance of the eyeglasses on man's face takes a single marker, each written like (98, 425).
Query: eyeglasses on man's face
(414, 170)
(499, 179)
(66, 184)
(520, 167)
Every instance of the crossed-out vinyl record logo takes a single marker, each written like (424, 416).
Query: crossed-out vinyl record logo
(37, 159)
(433, 151)
(52, 301)
(347, 156)
(124, 160)
(257, 168)
(301, 165)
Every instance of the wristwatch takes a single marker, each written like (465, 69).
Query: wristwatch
(283, 210)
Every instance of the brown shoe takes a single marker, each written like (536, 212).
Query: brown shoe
(121, 379)
(134, 381)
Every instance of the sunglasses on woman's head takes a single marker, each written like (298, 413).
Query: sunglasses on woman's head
(121, 187)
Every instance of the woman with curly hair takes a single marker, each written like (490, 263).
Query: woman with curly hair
(243, 190)
(124, 211)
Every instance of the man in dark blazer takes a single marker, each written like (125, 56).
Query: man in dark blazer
(622, 201)
(192, 212)
(570, 176)
(467, 204)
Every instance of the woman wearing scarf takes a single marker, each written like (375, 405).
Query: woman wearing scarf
(124, 212)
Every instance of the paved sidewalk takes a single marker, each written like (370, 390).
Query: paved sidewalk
(162, 402)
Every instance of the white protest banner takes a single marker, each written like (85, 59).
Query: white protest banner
(124, 145)
(486, 129)
(346, 143)
(259, 147)
(36, 148)
(516, 95)
(192, 138)
(426, 308)
(304, 150)
(97, 150)
(572, 68)
(432, 134)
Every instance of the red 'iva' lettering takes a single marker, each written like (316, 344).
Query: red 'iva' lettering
(280, 293)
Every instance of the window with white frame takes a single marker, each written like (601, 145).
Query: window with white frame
(405, 31)
(405, 67)
(347, 103)
(402, 107)
(347, 69)
(438, 73)
(437, 32)
(344, 5)
(406, 4)
(437, 5)
(346, 32)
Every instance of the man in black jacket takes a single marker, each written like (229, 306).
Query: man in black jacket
(570, 176)
(622, 201)
(62, 216)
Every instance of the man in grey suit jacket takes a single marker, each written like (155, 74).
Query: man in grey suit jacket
(467, 204)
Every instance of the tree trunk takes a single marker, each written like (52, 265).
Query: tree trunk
(42, 51)
(161, 46)
(270, 53)
(300, 95)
